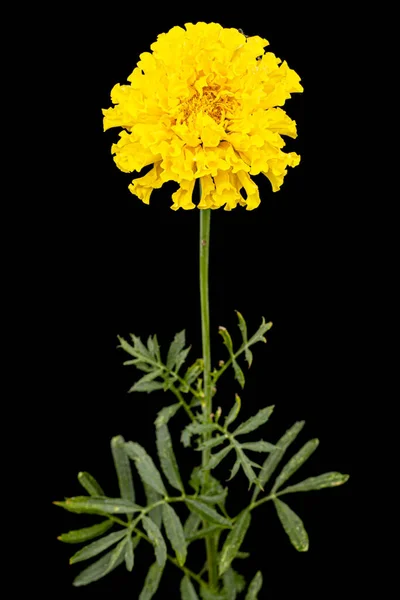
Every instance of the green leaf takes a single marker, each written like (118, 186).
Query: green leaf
(234, 541)
(191, 525)
(233, 412)
(195, 428)
(235, 469)
(239, 375)
(259, 334)
(243, 330)
(167, 458)
(89, 483)
(218, 457)
(206, 512)
(215, 498)
(295, 463)
(98, 546)
(98, 506)
(260, 446)
(139, 346)
(175, 348)
(118, 553)
(129, 557)
(325, 480)
(180, 359)
(139, 364)
(293, 525)
(86, 534)
(205, 532)
(154, 348)
(151, 498)
(207, 594)
(127, 347)
(276, 456)
(97, 570)
(156, 538)
(187, 590)
(152, 582)
(192, 373)
(123, 468)
(165, 414)
(148, 385)
(254, 422)
(229, 585)
(254, 587)
(175, 533)
(212, 442)
(246, 465)
(146, 467)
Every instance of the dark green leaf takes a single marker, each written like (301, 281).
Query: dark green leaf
(97, 570)
(276, 456)
(167, 458)
(152, 497)
(152, 582)
(260, 446)
(192, 373)
(246, 465)
(123, 468)
(191, 525)
(148, 386)
(187, 590)
(86, 534)
(89, 483)
(254, 422)
(98, 506)
(218, 457)
(212, 442)
(243, 330)
(180, 359)
(254, 587)
(205, 532)
(146, 467)
(118, 553)
(175, 532)
(207, 594)
(239, 375)
(234, 541)
(175, 348)
(235, 469)
(233, 412)
(325, 480)
(165, 414)
(207, 513)
(195, 428)
(215, 498)
(129, 557)
(295, 463)
(98, 546)
(156, 538)
(293, 525)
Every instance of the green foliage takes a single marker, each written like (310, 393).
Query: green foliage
(170, 523)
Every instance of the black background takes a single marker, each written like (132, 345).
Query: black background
(105, 264)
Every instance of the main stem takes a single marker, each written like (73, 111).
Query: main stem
(205, 216)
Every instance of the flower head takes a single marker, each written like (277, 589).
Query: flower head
(204, 104)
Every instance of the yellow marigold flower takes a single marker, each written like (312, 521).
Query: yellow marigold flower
(204, 104)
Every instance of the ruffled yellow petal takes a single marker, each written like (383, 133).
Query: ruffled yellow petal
(142, 187)
(183, 197)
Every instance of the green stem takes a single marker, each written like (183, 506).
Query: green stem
(205, 216)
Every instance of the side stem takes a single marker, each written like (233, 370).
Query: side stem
(205, 216)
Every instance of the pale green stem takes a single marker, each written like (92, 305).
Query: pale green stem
(205, 216)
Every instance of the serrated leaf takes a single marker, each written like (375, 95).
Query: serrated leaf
(180, 359)
(191, 525)
(246, 464)
(206, 512)
(157, 539)
(123, 468)
(218, 457)
(187, 590)
(293, 526)
(325, 480)
(276, 456)
(97, 570)
(243, 331)
(165, 414)
(254, 587)
(175, 348)
(145, 466)
(235, 469)
(127, 347)
(234, 541)
(167, 458)
(175, 533)
(205, 532)
(212, 442)
(84, 535)
(254, 422)
(98, 506)
(129, 557)
(89, 483)
(192, 373)
(98, 546)
(152, 582)
(139, 346)
(259, 334)
(151, 498)
(239, 375)
(139, 364)
(233, 412)
(259, 446)
(195, 428)
(295, 463)
(146, 383)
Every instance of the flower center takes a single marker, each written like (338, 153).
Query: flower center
(216, 104)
